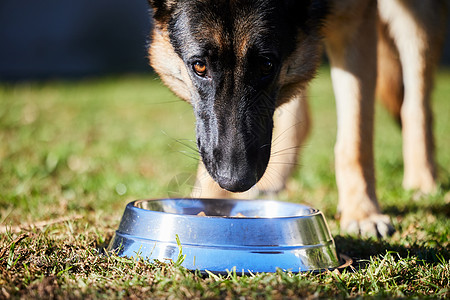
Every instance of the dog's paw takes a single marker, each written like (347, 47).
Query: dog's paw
(375, 225)
(423, 185)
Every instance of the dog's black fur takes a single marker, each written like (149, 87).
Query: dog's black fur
(239, 47)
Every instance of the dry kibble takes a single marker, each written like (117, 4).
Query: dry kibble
(238, 215)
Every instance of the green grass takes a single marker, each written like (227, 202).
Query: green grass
(72, 154)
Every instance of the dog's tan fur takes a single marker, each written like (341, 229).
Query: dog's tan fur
(168, 64)
(417, 30)
(410, 38)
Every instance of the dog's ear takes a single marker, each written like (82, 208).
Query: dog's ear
(162, 10)
(307, 13)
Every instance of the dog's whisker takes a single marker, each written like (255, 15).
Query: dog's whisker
(193, 148)
(284, 154)
(276, 139)
(285, 163)
(271, 177)
(190, 147)
(190, 155)
(282, 151)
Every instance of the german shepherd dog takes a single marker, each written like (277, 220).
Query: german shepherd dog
(238, 61)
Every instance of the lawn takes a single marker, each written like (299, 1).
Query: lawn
(73, 153)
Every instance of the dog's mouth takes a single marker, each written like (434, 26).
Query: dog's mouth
(240, 172)
(236, 169)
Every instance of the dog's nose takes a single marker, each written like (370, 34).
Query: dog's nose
(236, 184)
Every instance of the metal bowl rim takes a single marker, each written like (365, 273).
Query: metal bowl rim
(314, 211)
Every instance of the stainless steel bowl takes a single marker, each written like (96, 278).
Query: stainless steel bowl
(269, 235)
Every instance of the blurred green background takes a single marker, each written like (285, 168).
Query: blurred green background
(85, 125)
(95, 144)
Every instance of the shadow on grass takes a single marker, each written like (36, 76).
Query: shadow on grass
(102, 246)
(437, 209)
(360, 250)
(444, 178)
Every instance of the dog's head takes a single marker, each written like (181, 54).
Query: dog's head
(235, 61)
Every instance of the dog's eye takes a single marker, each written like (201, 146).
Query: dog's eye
(199, 68)
(266, 67)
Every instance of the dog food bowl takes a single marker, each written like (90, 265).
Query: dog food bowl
(219, 235)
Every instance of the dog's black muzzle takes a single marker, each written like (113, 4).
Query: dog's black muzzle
(235, 145)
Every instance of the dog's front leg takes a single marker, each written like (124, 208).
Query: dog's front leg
(417, 30)
(351, 46)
